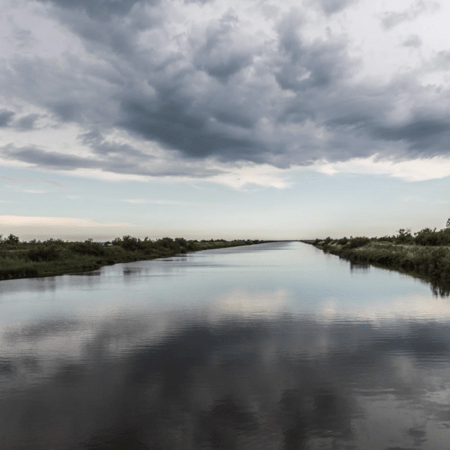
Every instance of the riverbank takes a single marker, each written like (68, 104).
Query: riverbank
(57, 257)
(430, 263)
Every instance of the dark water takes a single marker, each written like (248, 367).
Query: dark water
(274, 346)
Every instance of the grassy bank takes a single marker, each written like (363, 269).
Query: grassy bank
(424, 255)
(57, 257)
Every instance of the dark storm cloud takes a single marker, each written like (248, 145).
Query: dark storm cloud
(99, 9)
(5, 117)
(66, 110)
(330, 7)
(99, 146)
(42, 158)
(26, 122)
(316, 65)
(220, 51)
(419, 132)
(216, 90)
(189, 132)
(107, 156)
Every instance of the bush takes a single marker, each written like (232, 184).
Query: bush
(426, 237)
(386, 239)
(43, 253)
(431, 237)
(88, 248)
(357, 242)
(131, 243)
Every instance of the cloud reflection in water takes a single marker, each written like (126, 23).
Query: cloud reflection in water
(253, 376)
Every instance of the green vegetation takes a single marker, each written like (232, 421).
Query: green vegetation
(426, 255)
(57, 257)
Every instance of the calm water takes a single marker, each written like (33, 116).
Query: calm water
(273, 346)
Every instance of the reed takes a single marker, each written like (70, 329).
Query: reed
(57, 257)
(425, 256)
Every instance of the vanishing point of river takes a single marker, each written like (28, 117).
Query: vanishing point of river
(270, 346)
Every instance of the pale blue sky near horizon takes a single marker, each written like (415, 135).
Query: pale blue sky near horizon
(316, 205)
(223, 119)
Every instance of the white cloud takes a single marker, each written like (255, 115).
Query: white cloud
(411, 170)
(412, 198)
(156, 202)
(262, 175)
(34, 221)
(34, 191)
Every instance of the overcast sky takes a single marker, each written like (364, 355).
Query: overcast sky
(223, 118)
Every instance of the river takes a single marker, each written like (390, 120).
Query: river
(270, 346)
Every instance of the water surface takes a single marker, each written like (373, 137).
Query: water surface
(271, 346)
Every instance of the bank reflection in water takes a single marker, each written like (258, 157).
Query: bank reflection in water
(249, 369)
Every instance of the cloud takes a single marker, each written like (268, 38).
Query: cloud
(155, 202)
(413, 41)
(330, 7)
(32, 221)
(419, 132)
(34, 191)
(66, 110)
(100, 10)
(412, 198)
(222, 49)
(412, 170)
(42, 158)
(308, 66)
(30, 180)
(392, 18)
(441, 61)
(154, 89)
(27, 122)
(5, 117)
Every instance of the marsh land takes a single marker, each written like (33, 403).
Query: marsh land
(57, 257)
(270, 346)
(424, 255)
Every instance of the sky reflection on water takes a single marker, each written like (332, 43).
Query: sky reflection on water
(272, 346)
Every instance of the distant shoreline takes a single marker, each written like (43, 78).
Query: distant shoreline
(56, 257)
(430, 263)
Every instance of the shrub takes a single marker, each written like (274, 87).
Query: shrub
(427, 237)
(88, 248)
(404, 237)
(129, 243)
(357, 242)
(43, 253)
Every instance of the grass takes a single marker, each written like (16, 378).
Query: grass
(425, 256)
(56, 257)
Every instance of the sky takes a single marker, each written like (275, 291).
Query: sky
(232, 119)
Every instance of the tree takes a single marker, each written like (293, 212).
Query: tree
(12, 239)
(448, 224)
(404, 236)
